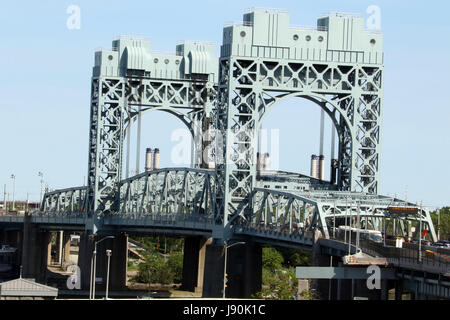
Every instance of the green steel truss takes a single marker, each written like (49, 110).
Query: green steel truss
(169, 191)
(298, 212)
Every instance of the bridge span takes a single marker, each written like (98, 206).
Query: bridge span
(228, 195)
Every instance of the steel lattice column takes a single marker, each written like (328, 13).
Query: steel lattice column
(105, 143)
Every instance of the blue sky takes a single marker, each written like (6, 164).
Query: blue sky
(45, 71)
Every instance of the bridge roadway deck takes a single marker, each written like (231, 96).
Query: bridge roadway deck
(172, 224)
(184, 225)
(403, 258)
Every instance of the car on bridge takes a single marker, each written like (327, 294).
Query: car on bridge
(442, 244)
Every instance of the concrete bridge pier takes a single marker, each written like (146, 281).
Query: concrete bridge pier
(62, 247)
(118, 262)
(66, 248)
(194, 263)
(244, 269)
(13, 238)
(85, 249)
(35, 252)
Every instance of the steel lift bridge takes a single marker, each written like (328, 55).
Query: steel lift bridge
(264, 60)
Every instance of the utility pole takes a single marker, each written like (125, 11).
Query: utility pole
(14, 190)
(420, 232)
(108, 254)
(40, 174)
(439, 224)
(4, 199)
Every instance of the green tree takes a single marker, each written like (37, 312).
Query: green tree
(271, 259)
(280, 286)
(444, 222)
(175, 265)
(295, 257)
(154, 268)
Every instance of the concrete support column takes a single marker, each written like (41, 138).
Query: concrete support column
(66, 248)
(49, 250)
(244, 269)
(398, 289)
(194, 263)
(118, 264)
(35, 252)
(213, 274)
(85, 249)
(59, 247)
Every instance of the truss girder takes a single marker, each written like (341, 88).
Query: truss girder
(64, 202)
(303, 211)
(169, 191)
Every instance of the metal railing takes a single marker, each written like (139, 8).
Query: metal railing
(427, 259)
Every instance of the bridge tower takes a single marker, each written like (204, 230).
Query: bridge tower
(129, 80)
(338, 65)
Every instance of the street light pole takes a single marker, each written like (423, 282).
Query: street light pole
(90, 283)
(94, 257)
(108, 253)
(14, 189)
(40, 174)
(4, 200)
(420, 233)
(439, 224)
(225, 266)
(225, 272)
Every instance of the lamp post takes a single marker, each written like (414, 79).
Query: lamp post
(439, 224)
(94, 266)
(108, 253)
(4, 200)
(420, 233)
(13, 176)
(225, 266)
(40, 174)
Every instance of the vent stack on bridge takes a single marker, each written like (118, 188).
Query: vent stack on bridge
(266, 161)
(149, 160)
(321, 167)
(156, 159)
(315, 166)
